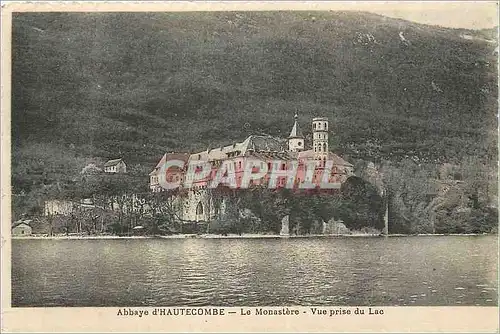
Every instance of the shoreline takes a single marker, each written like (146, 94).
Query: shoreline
(232, 236)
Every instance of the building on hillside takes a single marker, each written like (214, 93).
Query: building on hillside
(55, 207)
(277, 153)
(269, 150)
(173, 174)
(21, 228)
(115, 166)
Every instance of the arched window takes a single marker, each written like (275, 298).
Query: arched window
(199, 209)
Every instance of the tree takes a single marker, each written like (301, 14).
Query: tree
(362, 205)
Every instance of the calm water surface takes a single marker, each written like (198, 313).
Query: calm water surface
(229, 272)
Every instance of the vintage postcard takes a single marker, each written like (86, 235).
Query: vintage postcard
(249, 167)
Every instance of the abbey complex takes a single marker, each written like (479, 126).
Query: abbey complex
(277, 154)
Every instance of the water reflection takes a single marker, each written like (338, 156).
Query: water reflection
(228, 272)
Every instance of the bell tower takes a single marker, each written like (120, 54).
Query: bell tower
(320, 137)
(296, 139)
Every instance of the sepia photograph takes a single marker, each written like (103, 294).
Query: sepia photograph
(259, 158)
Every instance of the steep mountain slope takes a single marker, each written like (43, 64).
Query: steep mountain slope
(135, 85)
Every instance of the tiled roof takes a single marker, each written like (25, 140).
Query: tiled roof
(26, 222)
(264, 147)
(256, 143)
(170, 156)
(264, 143)
(113, 162)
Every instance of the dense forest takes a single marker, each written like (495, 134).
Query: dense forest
(410, 98)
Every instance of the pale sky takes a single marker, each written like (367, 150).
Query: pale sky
(452, 14)
(471, 15)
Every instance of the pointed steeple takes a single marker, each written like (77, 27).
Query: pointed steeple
(296, 133)
(296, 139)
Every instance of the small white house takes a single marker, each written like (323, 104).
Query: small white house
(21, 228)
(115, 166)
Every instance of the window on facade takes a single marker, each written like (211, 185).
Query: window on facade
(239, 165)
(324, 147)
(300, 143)
(314, 126)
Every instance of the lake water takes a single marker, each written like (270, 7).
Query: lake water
(433, 270)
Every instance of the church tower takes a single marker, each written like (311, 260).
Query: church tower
(296, 139)
(320, 137)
